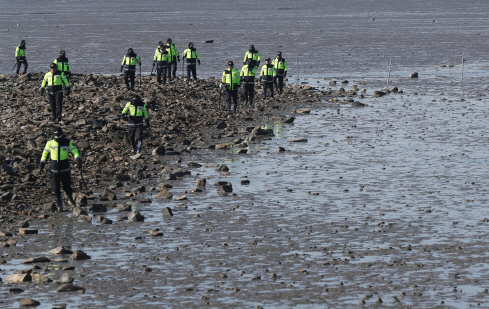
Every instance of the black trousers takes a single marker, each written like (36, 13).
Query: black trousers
(135, 135)
(56, 103)
(249, 92)
(19, 63)
(267, 85)
(192, 69)
(172, 69)
(280, 83)
(234, 95)
(129, 75)
(61, 179)
(161, 71)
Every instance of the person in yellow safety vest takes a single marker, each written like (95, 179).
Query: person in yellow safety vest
(192, 56)
(231, 80)
(267, 74)
(252, 54)
(129, 65)
(20, 57)
(135, 111)
(63, 64)
(247, 74)
(58, 150)
(174, 56)
(161, 59)
(55, 81)
(280, 65)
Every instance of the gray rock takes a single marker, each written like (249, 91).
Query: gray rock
(201, 182)
(69, 287)
(135, 216)
(168, 212)
(66, 278)
(39, 259)
(28, 302)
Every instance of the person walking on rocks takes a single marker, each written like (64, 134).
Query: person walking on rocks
(20, 57)
(267, 74)
(129, 63)
(280, 65)
(192, 56)
(58, 150)
(161, 59)
(55, 81)
(231, 81)
(253, 55)
(135, 111)
(174, 56)
(63, 64)
(248, 72)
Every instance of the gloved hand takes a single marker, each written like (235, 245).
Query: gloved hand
(78, 161)
(154, 62)
(41, 167)
(198, 61)
(68, 74)
(178, 57)
(17, 58)
(67, 91)
(260, 79)
(122, 67)
(220, 85)
(42, 91)
(258, 64)
(285, 74)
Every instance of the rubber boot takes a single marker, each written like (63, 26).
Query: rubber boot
(71, 201)
(59, 203)
(229, 106)
(264, 94)
(139, 146)
(251, 101)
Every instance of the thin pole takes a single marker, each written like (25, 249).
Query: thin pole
(297, 63)
(389, 76)
(462, 67)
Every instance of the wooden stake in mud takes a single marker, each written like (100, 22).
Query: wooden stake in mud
(462, 67)
(297, 63)
(389, 76)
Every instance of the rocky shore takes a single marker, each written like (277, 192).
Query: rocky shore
(185, 117)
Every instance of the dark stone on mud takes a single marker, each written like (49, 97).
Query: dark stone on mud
(164, 194)
(23, 223)
(167, 211)
(358, 104)
(85, 218)
(66, 278)
(245, 182)
(135, 216)
(242, 151)
(223, 186)
(109, 194)
(180, 207)
(289, 120)
(39, 259)
(195, 190)
(80, 198)
(12, 242)
(414, 75)
(122, 218)
(79, 255)
(60, 250)
(6, 196)
(280, 149)
(222, 168)
(28, 302)
(155, 232)
(76, 212)
(4, 244)
(159, 151)
(332, 83)
(168, 176)
(299, 140)
(50, 207)
(378, 94)
(221, 125)
(6, 234)
(16, 278)
(69, 287)
(99, 208)
(5, 168)
(124, 207)
(28, 231)
(193, 165)
(201, 182)
(15, 290)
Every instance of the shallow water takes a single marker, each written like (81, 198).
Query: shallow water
(409, 169)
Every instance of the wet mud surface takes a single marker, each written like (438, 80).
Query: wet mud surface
(383, 206)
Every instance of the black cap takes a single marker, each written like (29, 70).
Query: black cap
(279, 53)
(53, 66)
(230, 63)
(169, 40)
(268, 59)
(161, 43)
(130, 50)
(190, 44)
(58, 132)
(22, 42)
(62, 52)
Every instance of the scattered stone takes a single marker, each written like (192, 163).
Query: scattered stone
(178, 207)
(299, 140)
(79, 255)
(39, 259)
(222, 168)
(414, 75)
(66, 278)
(60, 250)
(135, 216)
(168, 212)
(99, 208)
(201, 182)
(69, 287)
(159, 151)
(223, 186)
(164, 194)
(76, 212)
(38, 278)
(28, 302)
(109, 195)
(23, 223)
(155, 232)
(245, 182)
(303, 111)
(193, 165)
(17, 278)
(280, 149)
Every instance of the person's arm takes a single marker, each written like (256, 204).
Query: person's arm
(44, 156)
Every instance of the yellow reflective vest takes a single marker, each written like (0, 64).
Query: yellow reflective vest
(63, 64)
(248, 74)
(20, 51)
(172, 51)
(55, 81)
(280, 65)
(192, 55)
(231, 79)
(267, 72)
(136, 112)
(58, 151)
